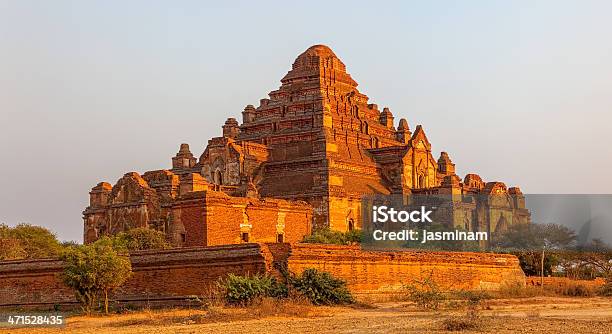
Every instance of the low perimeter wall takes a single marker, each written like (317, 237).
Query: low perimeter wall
(172, 276)
(381, 271)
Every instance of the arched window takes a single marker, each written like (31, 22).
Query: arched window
(421, 181)
(351, 224)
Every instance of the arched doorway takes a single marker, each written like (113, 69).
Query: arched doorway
(218, 177)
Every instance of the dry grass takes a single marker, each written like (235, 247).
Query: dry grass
(505, 292)
(461, 323)
(571, 289)
(262, 308)
(541, 314)
(387, 297)
(299, 308)
(574, 289)
(517, 291)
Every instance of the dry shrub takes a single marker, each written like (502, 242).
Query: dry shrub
(473, 300)
(469, 321)
(572, 289)
(569, 289)
(517, 291)
(606, 289)
(425, 293)
(212, 296)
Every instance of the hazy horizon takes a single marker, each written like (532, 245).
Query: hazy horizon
(518, 92)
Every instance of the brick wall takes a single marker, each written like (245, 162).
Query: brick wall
(164, 277)
(214, 218)
(158, 275)
(32, 282)
(372, 271)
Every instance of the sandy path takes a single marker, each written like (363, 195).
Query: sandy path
(533, 315)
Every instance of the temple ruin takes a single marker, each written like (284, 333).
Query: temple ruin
(301, 160)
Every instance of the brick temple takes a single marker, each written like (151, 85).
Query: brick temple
(302, 159)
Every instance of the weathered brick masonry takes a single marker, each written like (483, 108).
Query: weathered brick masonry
(316, 140)
(159, 276)
(372, 271)
(165, 277)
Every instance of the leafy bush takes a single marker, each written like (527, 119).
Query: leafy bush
(142, 239)
(244, 290)
(353, 236)
(27, 241)
(11, 249)
(327, 236)
(321, 288)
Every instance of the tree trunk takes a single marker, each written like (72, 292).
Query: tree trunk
(106, 301)
(542, 270)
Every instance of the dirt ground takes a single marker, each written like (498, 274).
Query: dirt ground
(527, 315)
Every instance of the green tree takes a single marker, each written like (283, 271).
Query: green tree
(535, 237)
(536, 245)
(95, 270)
(595, 256)
(531, 262)
(27, 241)
(328, 236)
(143, 239)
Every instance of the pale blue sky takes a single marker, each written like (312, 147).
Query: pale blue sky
(518, 91)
